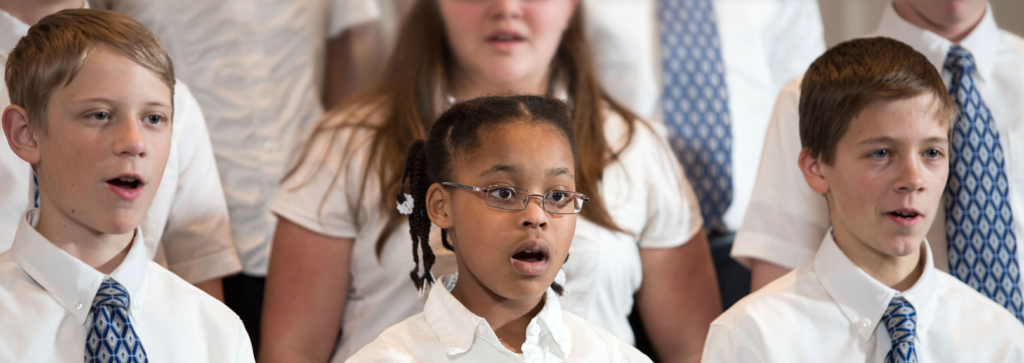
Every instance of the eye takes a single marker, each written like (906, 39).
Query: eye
(558, 196)
(503, 192)
(932, 153)
(99, 116)
(880, 154)
(153, 119)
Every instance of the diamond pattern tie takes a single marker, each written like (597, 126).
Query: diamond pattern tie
(696, 102)
(901, 321)
(982, 245)
(111, 335)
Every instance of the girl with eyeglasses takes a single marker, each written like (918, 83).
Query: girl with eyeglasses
(338, 248)
(509, 243)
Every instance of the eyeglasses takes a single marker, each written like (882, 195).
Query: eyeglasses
(508, 197)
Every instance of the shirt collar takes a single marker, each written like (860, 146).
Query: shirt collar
(862, 299)
(456, 326)
(12, 29)
(983, 42)
(72, 282)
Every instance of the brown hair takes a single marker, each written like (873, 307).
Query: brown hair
(855, 74)
(411, 86)
(58, 46)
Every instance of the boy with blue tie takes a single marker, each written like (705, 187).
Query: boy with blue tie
(875, 126)
(91, 109)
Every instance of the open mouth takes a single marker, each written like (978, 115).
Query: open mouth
(531, 258)
(126, 186)
(905, 217)
(125, 182)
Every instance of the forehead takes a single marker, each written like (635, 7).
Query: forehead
(529, 146)
(909, 118)
(109, 73)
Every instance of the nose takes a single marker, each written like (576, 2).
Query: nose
(911, 178)
(534, 215)
(129, 139)
(507, 9)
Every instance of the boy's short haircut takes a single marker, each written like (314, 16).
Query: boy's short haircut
(855, 74)
(58, 46)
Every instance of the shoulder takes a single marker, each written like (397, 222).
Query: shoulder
(780, 301)
(986, 315)
(402, 342)
(590, 339)
(170, 296)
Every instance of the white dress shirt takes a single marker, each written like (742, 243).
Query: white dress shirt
(786, 218)
(448, 332)
(830, 310)
(187, 229)
(46, 295)
(764, 43)
(645, 193)
(257, 68)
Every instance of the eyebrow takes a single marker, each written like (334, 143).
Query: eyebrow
(890, 140)
(112, 102)
(512, 169)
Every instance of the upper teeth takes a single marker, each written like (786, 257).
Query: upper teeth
(906, 214)
(505, 37)
(128, 179)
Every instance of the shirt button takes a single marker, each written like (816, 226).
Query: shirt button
(534, 330)
(866, 323)
(270, 145)
(78, 305)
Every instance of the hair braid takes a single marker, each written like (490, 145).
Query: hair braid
(419, 222)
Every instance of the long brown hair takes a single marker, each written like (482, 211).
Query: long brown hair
(401, 104)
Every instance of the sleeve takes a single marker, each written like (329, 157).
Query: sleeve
(724, 346)
(673, 213)
(321, 193)
(794, 39)
(197, 238)
(345, 14)
(245, 353)
(786, 219)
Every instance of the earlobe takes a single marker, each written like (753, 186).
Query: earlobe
(20, 138)
(439, 206)
(811, 168)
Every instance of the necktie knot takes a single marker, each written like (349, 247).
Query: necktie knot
(112, 294)
(900, 320)
(959, 59)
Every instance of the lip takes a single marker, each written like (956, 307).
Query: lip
(127, 193)
(905, 222)
(531, 268)
(496, 40)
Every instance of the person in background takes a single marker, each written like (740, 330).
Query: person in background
(186, 229)
(981, 66)
(257, 68)
(92, 98)
(710, 70)
(875, 127)
(339, 241)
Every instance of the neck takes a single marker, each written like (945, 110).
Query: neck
(507, 317)
(954, 27)
(103, 252)
(30, 11)
(897, 272)
(465, 86)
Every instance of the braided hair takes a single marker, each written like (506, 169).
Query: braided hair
(457, 132)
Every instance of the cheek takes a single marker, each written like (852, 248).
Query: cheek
(462, 23)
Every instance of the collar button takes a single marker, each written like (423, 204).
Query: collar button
(78, 305)
(866, 323)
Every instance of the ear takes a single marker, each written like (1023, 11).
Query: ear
(20, 137)
(439, 206)
(811, 168)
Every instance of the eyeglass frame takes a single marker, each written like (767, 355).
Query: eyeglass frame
(543, 197)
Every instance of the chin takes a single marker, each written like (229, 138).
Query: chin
(121, 223)
(900, 246)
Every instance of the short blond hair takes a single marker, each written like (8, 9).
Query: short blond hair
(58, 46)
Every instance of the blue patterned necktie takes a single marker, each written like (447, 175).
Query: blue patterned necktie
(696, 102)
(979, 222)
(901, 321)
(111, 335)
